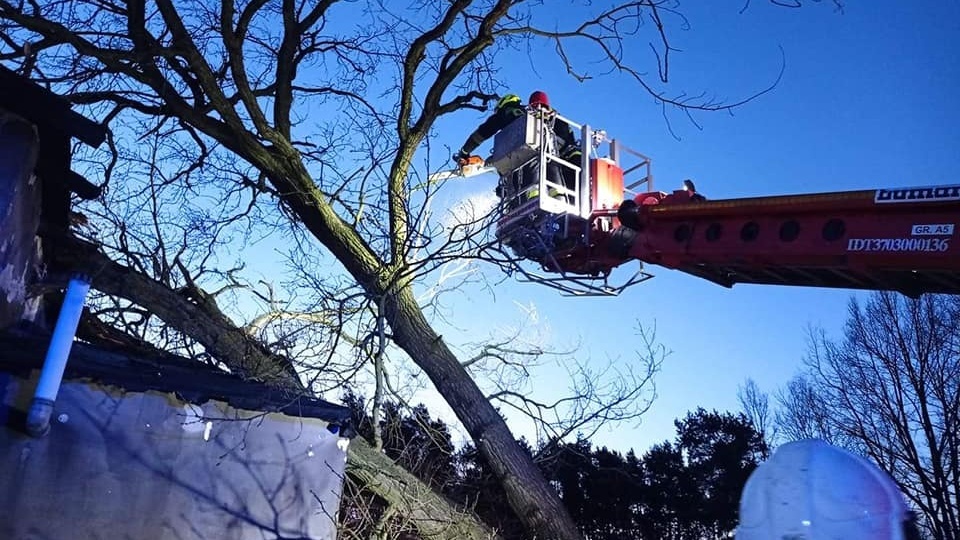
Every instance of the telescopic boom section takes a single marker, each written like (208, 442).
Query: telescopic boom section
(887, 239)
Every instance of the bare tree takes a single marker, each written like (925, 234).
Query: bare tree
(311, 117)
(755, 404)
(802, 414)
(890, 389)
(292, 332)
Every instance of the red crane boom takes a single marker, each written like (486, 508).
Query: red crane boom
(874, 239)
(581, 224)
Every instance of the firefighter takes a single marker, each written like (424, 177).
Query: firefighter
(509, 108)
(565, 138)
(565, 143)
(812, 490)
(692, 190)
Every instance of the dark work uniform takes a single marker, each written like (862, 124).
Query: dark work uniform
(568, 149)
(566, 142)
(499, 120)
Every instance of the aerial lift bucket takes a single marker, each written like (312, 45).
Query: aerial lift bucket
(553, 228)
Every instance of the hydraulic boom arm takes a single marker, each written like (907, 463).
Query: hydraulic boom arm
(901, 239)
(575, 227)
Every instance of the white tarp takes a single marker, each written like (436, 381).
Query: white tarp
(119, 465)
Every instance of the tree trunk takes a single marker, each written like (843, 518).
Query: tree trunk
(198, 318)
(536, 504)
(529, 494)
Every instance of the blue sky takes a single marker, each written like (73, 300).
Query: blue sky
(868, 99)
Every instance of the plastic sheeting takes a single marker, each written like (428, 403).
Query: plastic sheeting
(119, 465)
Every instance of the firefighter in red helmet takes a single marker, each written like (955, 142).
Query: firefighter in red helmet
(567, 146)
(539, 99)
(566, 140)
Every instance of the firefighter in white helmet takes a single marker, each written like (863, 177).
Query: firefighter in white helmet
(811, 490)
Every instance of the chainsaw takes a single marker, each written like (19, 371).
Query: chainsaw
(472, 166)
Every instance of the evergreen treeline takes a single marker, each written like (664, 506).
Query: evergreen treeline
(687, 488)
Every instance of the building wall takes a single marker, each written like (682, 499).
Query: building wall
(132, 465)
(19, 217)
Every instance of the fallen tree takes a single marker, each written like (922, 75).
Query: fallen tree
(429, 512)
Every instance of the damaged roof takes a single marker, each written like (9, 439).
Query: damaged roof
(56, 124)
(42, 107)
(22, 351)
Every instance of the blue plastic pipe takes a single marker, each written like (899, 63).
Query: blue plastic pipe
(41, 409)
